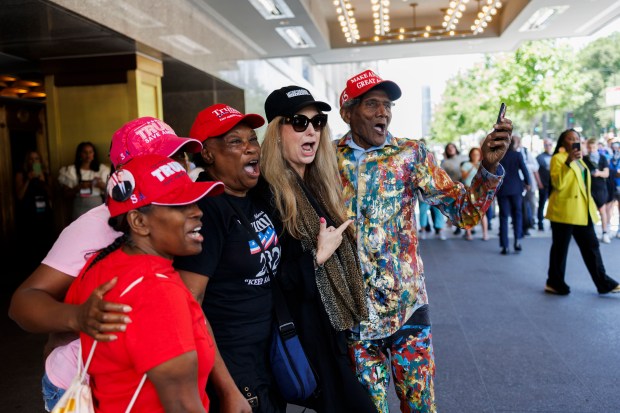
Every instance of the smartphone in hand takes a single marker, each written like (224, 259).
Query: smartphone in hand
(500, 117)
(502, 112)
(37, 168)
(576, 145)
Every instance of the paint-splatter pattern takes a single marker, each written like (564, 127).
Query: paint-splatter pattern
(381, 190)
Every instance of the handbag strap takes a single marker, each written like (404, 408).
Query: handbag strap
(286, 327)
(83, 370)
(135, 395)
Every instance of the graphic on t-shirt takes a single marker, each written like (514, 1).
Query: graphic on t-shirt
(271, 257)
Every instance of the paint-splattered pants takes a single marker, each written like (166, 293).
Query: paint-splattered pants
(410, 354)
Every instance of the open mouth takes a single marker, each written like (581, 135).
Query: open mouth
(195, 234)
(308, 147)
(380, 128)
(252, 168)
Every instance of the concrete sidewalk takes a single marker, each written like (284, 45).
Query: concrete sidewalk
(502, 345)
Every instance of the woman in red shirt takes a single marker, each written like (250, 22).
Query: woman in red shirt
(152, 201)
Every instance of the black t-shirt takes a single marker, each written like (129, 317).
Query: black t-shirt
(598, 183)
(237, 301)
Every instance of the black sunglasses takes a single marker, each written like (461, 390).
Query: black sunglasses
(300, 122)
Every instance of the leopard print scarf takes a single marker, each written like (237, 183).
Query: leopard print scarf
(339, 280)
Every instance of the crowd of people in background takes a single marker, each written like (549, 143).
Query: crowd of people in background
(529, 186)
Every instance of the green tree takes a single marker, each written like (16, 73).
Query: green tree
(600, 63)
(538, 78)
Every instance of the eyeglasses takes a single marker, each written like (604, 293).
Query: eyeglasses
(374, 104)
(300, 122)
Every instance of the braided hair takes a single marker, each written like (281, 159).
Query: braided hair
(119, 224)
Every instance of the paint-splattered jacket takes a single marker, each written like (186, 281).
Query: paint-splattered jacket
(381, 187)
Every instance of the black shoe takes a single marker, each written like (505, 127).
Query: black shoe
(518, 246)
(551, 290)
(457, 231)
(527, 233)
(504, 251)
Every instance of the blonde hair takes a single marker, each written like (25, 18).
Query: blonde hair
(321, 176)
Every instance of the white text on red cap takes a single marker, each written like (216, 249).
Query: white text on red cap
(167, 170)
(362, 76)
(153, 130)
(226, 111)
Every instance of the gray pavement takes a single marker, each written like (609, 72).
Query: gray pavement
(501, 344)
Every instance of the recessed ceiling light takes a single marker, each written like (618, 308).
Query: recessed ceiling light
(272, 9)
(541, 18)
(296, 37)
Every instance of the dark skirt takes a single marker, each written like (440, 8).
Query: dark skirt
(600, 196)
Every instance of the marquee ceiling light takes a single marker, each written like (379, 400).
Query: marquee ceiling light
(485, 15)
(381, 16)
(346, 19)
(416, 33)
(453, 14)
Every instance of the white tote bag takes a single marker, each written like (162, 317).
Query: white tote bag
(78, 398)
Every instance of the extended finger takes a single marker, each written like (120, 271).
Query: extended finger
(114, 318)
(99, 331)
(344, 226)
(109, 307)
(112, 327)
(105, 337)
(105, 287)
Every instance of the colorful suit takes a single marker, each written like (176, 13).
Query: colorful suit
(381, 189)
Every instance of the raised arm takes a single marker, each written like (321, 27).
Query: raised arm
(496, 144)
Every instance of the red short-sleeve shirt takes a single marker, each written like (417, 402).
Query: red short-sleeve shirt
(166, 323)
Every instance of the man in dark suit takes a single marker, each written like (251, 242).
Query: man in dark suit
(510, 197)
(544, 163)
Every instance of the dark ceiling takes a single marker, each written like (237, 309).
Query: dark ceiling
(33, 30)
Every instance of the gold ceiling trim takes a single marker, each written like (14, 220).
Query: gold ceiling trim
(383, 33)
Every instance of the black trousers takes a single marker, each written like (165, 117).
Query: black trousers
(588, 246)
(510, 205)
(543, 195)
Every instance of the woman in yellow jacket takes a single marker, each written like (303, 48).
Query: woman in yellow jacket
(572, 212)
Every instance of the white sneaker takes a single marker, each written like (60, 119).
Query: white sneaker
(606, 239)
(442, 236)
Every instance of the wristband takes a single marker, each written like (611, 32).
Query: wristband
(316, 264)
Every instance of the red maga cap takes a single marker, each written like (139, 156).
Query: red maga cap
(154, 180)
(218, 119)
(147, 135)
(363, 82)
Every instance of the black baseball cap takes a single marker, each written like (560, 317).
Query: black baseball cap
(289, 100)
